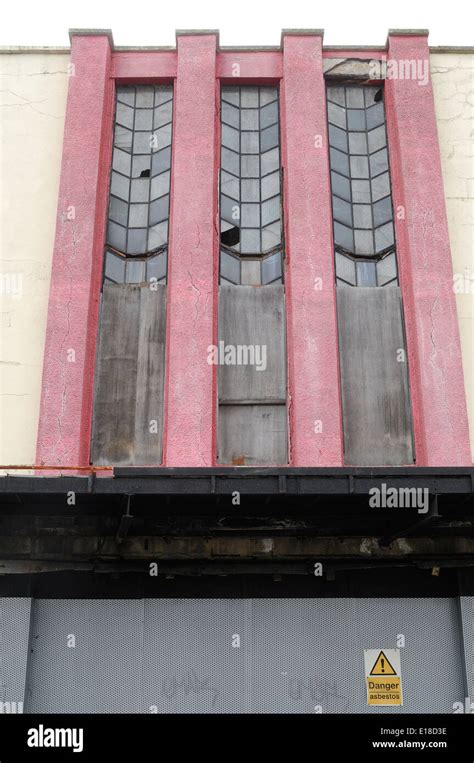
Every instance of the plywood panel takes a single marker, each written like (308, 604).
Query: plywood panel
(150, 376)
(374, 377)
(253, 318)
(116, 375)
(253, 434)
(129, 376)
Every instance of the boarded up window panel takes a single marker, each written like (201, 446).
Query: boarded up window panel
(128, 410)
(254, 320)
(374, 377)
(252, 403)
(253, 434)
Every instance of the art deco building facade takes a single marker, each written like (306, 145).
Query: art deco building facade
(237, 374)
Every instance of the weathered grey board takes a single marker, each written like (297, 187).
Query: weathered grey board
(253, 434)
(374, 377)
(129, 376)
(253, 317)
(150, 375)
(113, 435)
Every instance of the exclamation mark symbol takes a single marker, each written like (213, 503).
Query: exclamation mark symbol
(383, 664)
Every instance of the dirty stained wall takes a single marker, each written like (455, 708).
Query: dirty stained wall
(453, 88)
(33, 91)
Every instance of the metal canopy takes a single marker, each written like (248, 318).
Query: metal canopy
(273, 502)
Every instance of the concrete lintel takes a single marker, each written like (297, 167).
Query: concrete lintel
(351, 69)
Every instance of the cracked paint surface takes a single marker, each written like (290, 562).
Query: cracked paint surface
(33, 92)
(190, 418)
(311, 311)
(69, 357)
(453, 89)
(426, 274)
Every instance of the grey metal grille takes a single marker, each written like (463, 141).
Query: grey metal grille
(14, 637)
(176, 655)
(191, 665)
(361, 192)
(310, 652)
(102, 673)
(467, 614)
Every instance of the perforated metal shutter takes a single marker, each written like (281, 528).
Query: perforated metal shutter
(467, 615)
(102, 673)
(176, 655)
(14, 637)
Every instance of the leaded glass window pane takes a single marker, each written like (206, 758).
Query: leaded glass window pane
(250, 180)
(360, 181)
(140, 180)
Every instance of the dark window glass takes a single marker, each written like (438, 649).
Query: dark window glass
(140, 181)
(360, 182)
(250, 182)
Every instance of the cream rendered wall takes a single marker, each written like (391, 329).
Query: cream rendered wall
(453, 85)
(33, 91)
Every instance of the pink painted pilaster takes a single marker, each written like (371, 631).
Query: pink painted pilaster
(66, 402)
(190, 384)
(423, 249)
(312, 340)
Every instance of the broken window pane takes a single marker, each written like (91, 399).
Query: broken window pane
(140, 182)
(250, 172)
(360, 181)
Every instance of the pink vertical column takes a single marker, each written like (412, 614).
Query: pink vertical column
(190, 385)
(68, 370)
(426, 277)
(315, 409)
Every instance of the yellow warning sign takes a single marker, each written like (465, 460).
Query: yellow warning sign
(383, 677)
(382, 666)
(384, 691)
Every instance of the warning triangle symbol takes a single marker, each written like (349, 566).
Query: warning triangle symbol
(382, 666)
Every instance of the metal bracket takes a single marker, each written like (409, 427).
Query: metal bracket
(125, 523)
(427, 519)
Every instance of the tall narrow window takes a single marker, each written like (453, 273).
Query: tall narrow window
(250, 202)
(251, 353)
(373, 358)
(130, 361)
